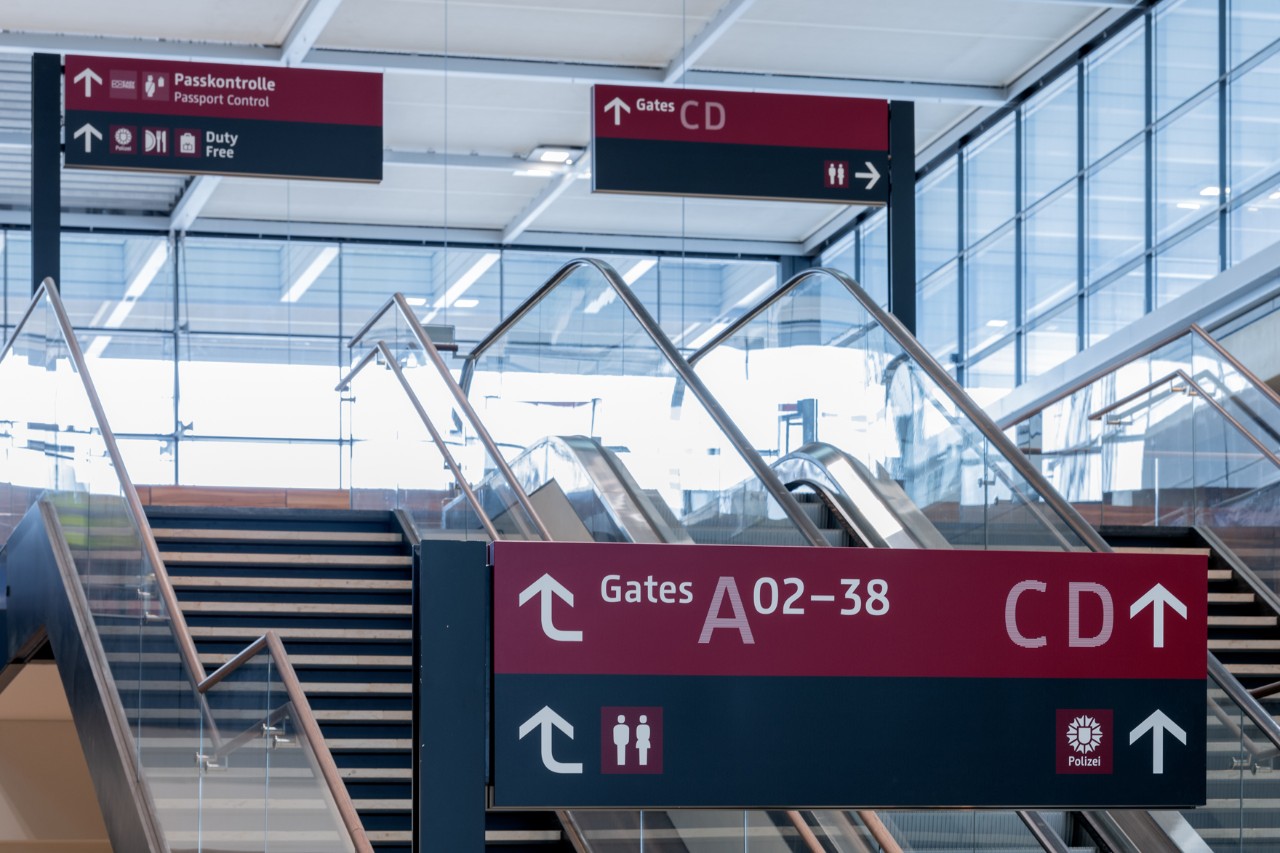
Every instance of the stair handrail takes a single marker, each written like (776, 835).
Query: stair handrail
(48, 289)
(1247, 701)
(683, 371)
(398, 302)
(935, 371)
(1179, 373)
(1084, 380)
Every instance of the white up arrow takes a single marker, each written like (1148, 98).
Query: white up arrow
(871, 176)
(90, 133)
(1157, 597)
(545, 720)
(1157, 724)
(89, 78)
(546, 587)
(618, 106)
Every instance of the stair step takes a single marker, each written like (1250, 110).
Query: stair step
(362, 716)
(337, 744)
(225, 558)
(1254, 668)
(300, 583)
(1244, 645)
(375, 772)
(1221, 574)
(287, 633)
(300, 661)
(219, 534)
(1232, 598)
(1242, 621)
(297, 608)
(1157, 549)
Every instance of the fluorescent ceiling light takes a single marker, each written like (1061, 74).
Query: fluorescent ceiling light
(563, 155)
(997, 324)
(462, 284)
(1189, 205)
(415, 301)
(1212, 192)
(466, 303)
(607, 296)
(310, 273)
(534, 173)
(1274, 196)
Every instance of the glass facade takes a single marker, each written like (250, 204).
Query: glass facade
(1139, 171)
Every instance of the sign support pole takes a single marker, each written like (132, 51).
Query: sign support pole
(452, 595)
(902, 212)
(46, 168)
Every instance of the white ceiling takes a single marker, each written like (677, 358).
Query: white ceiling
(473, 85)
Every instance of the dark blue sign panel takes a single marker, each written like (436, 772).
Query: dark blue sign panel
(650, 676)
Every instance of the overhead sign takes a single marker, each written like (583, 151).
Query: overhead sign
(739, 145)
(207, 118)
(646, 676)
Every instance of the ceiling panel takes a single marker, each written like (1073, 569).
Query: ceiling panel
(250, 21)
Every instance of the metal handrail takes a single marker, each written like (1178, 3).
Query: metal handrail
(177, 622)
(459, 399)
(1088, 378)
(380, 348)
(1248, 703)
(1227, 416)
(678, 364)
(935, 371)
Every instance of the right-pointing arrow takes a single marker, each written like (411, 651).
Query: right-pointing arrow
(1158, 724)
(1158, 598)
(90, 133)
(546, 720)
(871, 176)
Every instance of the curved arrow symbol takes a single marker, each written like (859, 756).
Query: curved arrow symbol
(1158, 598)
(545, 587)
(546, 719)
(1157, 724)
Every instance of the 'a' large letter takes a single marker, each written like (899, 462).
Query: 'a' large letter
(737, 621)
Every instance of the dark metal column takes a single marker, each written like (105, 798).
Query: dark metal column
(902, 212)
(46, 167)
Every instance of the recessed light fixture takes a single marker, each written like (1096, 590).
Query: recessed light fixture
(1189, 205)
(416, 301)
(534, 173)
(1211, 192)
(997, 324)
(466, 303)
(1274, 196)
(559, 155)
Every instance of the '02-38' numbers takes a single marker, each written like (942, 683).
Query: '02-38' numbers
(872, 599)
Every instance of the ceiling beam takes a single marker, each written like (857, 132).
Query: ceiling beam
(194, 197)
(304, 32)
(1097, 4)
(545, 199)
(711, 33)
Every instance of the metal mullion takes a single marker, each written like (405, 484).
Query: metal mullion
(962, 271)
(1082, 316)
(1148, 156)
(1019, 250)
(1223, 115)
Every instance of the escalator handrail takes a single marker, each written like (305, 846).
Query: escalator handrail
(684, 373)
(1179, 373)
(935, 371)
(400, 304)
(380, 348)
(1086, 379)
(48, 290)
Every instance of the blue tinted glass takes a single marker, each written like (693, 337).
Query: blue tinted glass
(1115, 89)
(875, 259)
(1255, 144)
(937, 217)
(1186, 45)
(989, 291)
(1116, 213)
(1050, 253)
(994, 376)
(989, 190)
(938, 313)
(1116, 304)
(1255, 224)
(1186, 164)
(1052, 340)
(1049, 138)
(1185, 265)
(1254, 24)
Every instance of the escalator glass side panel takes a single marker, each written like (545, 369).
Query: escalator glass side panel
(692, 831)
(395, 464)
(817, 366)
(943, 829)
(580, 363)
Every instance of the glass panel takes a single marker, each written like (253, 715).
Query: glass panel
(1255, 148)
(133, 373)
(938, 313)
(989, 184)
(1184, 266)
(1115, 94)
(1187, 168)
(370, 274)
(1254, 24)
(990, 285)
(117, 282)
(1049, 135)
(564, 371)
(1052, 340)
(1186, 46)
(993, 376)
(1117, 212)
(937, 218)
(1051, 243)
(1255, 224)
(278, 464)
(1117, 304)
(875, 258)
(874, 404)
(53, 446)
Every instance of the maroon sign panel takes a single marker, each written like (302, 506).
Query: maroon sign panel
(720, 676)
(739, 144)
(199, 117)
